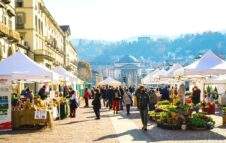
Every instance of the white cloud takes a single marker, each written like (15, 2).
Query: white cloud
(119, 19)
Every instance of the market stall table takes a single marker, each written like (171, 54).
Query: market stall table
(20, 118)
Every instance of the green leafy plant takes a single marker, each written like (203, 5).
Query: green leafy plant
(164, 102)
(185, 107)
(201, 120)
(224, 110)
(172, 108)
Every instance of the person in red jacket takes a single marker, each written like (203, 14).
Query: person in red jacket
(86, 97)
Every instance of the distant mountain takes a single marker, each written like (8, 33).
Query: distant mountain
(186, 46)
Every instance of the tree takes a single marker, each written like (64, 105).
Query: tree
(85, 71)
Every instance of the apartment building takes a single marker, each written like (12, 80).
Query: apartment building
(10, 41)
(47, 40)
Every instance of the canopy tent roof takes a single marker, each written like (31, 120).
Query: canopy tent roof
(110, 81)
(161, 73)
(66, 75)
(21, 67)
(208, 64)
(147, 79)
(170, 72)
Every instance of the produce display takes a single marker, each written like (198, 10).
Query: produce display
(179, 116)
(224, 110)
(25, 104)
(200, 120)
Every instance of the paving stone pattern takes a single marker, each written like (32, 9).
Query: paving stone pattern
(82, 129)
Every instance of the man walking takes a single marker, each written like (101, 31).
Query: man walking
(142, 104)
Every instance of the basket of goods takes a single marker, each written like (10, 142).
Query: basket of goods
(202, 121)
(173, 110)
(185, 110)
(39, 103)
(204, 106)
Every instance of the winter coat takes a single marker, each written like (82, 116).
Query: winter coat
(117, 95)
(96, 102)
(110, 94)
(142, 100)
(196, 96)
(127, 98)
(165, 94)
(86, 94)
(42, 93)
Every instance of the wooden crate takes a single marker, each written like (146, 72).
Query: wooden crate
(224, 119)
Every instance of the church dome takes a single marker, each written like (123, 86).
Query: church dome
(128, 59)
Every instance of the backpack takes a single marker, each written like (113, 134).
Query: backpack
(153, 98)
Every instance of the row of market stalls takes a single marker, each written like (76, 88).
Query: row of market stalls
(19, 69)
(209, 69)
(198, 87)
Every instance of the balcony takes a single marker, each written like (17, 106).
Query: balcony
(56, 63)
(6, 1)
(14, 36)
(44, 54)
(4, 30)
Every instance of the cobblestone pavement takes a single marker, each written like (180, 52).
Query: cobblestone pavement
(82, 129)
(155, 134)
(112, 129)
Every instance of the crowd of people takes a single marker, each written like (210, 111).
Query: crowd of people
(116, 98)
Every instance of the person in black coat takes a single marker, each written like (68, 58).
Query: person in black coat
(196, 95)
(110, 95)
(42, 93)
(165, 93)
(96, 103)
(121, 99)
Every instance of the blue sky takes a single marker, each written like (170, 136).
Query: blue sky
(120, 19)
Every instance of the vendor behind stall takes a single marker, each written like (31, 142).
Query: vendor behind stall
(42, 92)
(196, 95)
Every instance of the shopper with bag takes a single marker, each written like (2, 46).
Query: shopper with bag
(142, 103)
(153, 100)
(73, 102)
(127, 97)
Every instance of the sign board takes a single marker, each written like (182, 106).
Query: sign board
(42, 114)
(5, 104)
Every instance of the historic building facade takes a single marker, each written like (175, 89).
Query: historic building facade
(10, 41)
(47, 40)
(71, 55)
(127, 68)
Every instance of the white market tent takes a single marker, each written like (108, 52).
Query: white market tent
(170, 72)
(65, 75)
(110, 81)
(147, 79)
(209, 64)
(158, 75)
(21, 67)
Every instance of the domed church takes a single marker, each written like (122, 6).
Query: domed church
(127, 65)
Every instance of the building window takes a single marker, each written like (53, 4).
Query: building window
(36, 23)
(10, 24)
(20, 20)
(19, 3)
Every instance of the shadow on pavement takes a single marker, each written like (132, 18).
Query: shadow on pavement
(156, 134)
(74, 122)
(132, 133)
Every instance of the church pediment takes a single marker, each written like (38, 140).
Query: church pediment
(129, 66)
